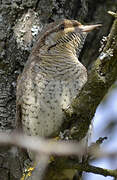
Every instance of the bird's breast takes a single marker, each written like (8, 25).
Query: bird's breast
(43, 102)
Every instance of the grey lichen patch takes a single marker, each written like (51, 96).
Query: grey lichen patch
(28, 3)
(27, 29)
(103, 43)
(108, 54)
(51, 10)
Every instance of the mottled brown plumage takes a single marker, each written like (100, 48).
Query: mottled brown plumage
(51, 78)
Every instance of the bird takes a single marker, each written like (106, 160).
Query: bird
(52, 77)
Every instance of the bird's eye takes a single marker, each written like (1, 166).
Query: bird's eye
(62, 27)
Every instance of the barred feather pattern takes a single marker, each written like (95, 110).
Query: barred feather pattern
(51, 79)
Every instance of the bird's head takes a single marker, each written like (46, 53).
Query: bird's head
(64, 33)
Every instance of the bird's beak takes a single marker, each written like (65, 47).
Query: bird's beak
(88, 28)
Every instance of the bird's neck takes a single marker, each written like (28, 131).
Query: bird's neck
(63, 53)
(60, 54)
(61, 63)
(61, 60)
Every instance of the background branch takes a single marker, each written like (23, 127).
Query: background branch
(102, 75)
(45, 148)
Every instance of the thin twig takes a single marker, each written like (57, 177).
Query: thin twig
(49, 147)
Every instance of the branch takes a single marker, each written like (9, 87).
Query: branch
(96, 170)
(41, 145)
(101, 77)
(89, 168)
(51, 147)
(60, 148)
